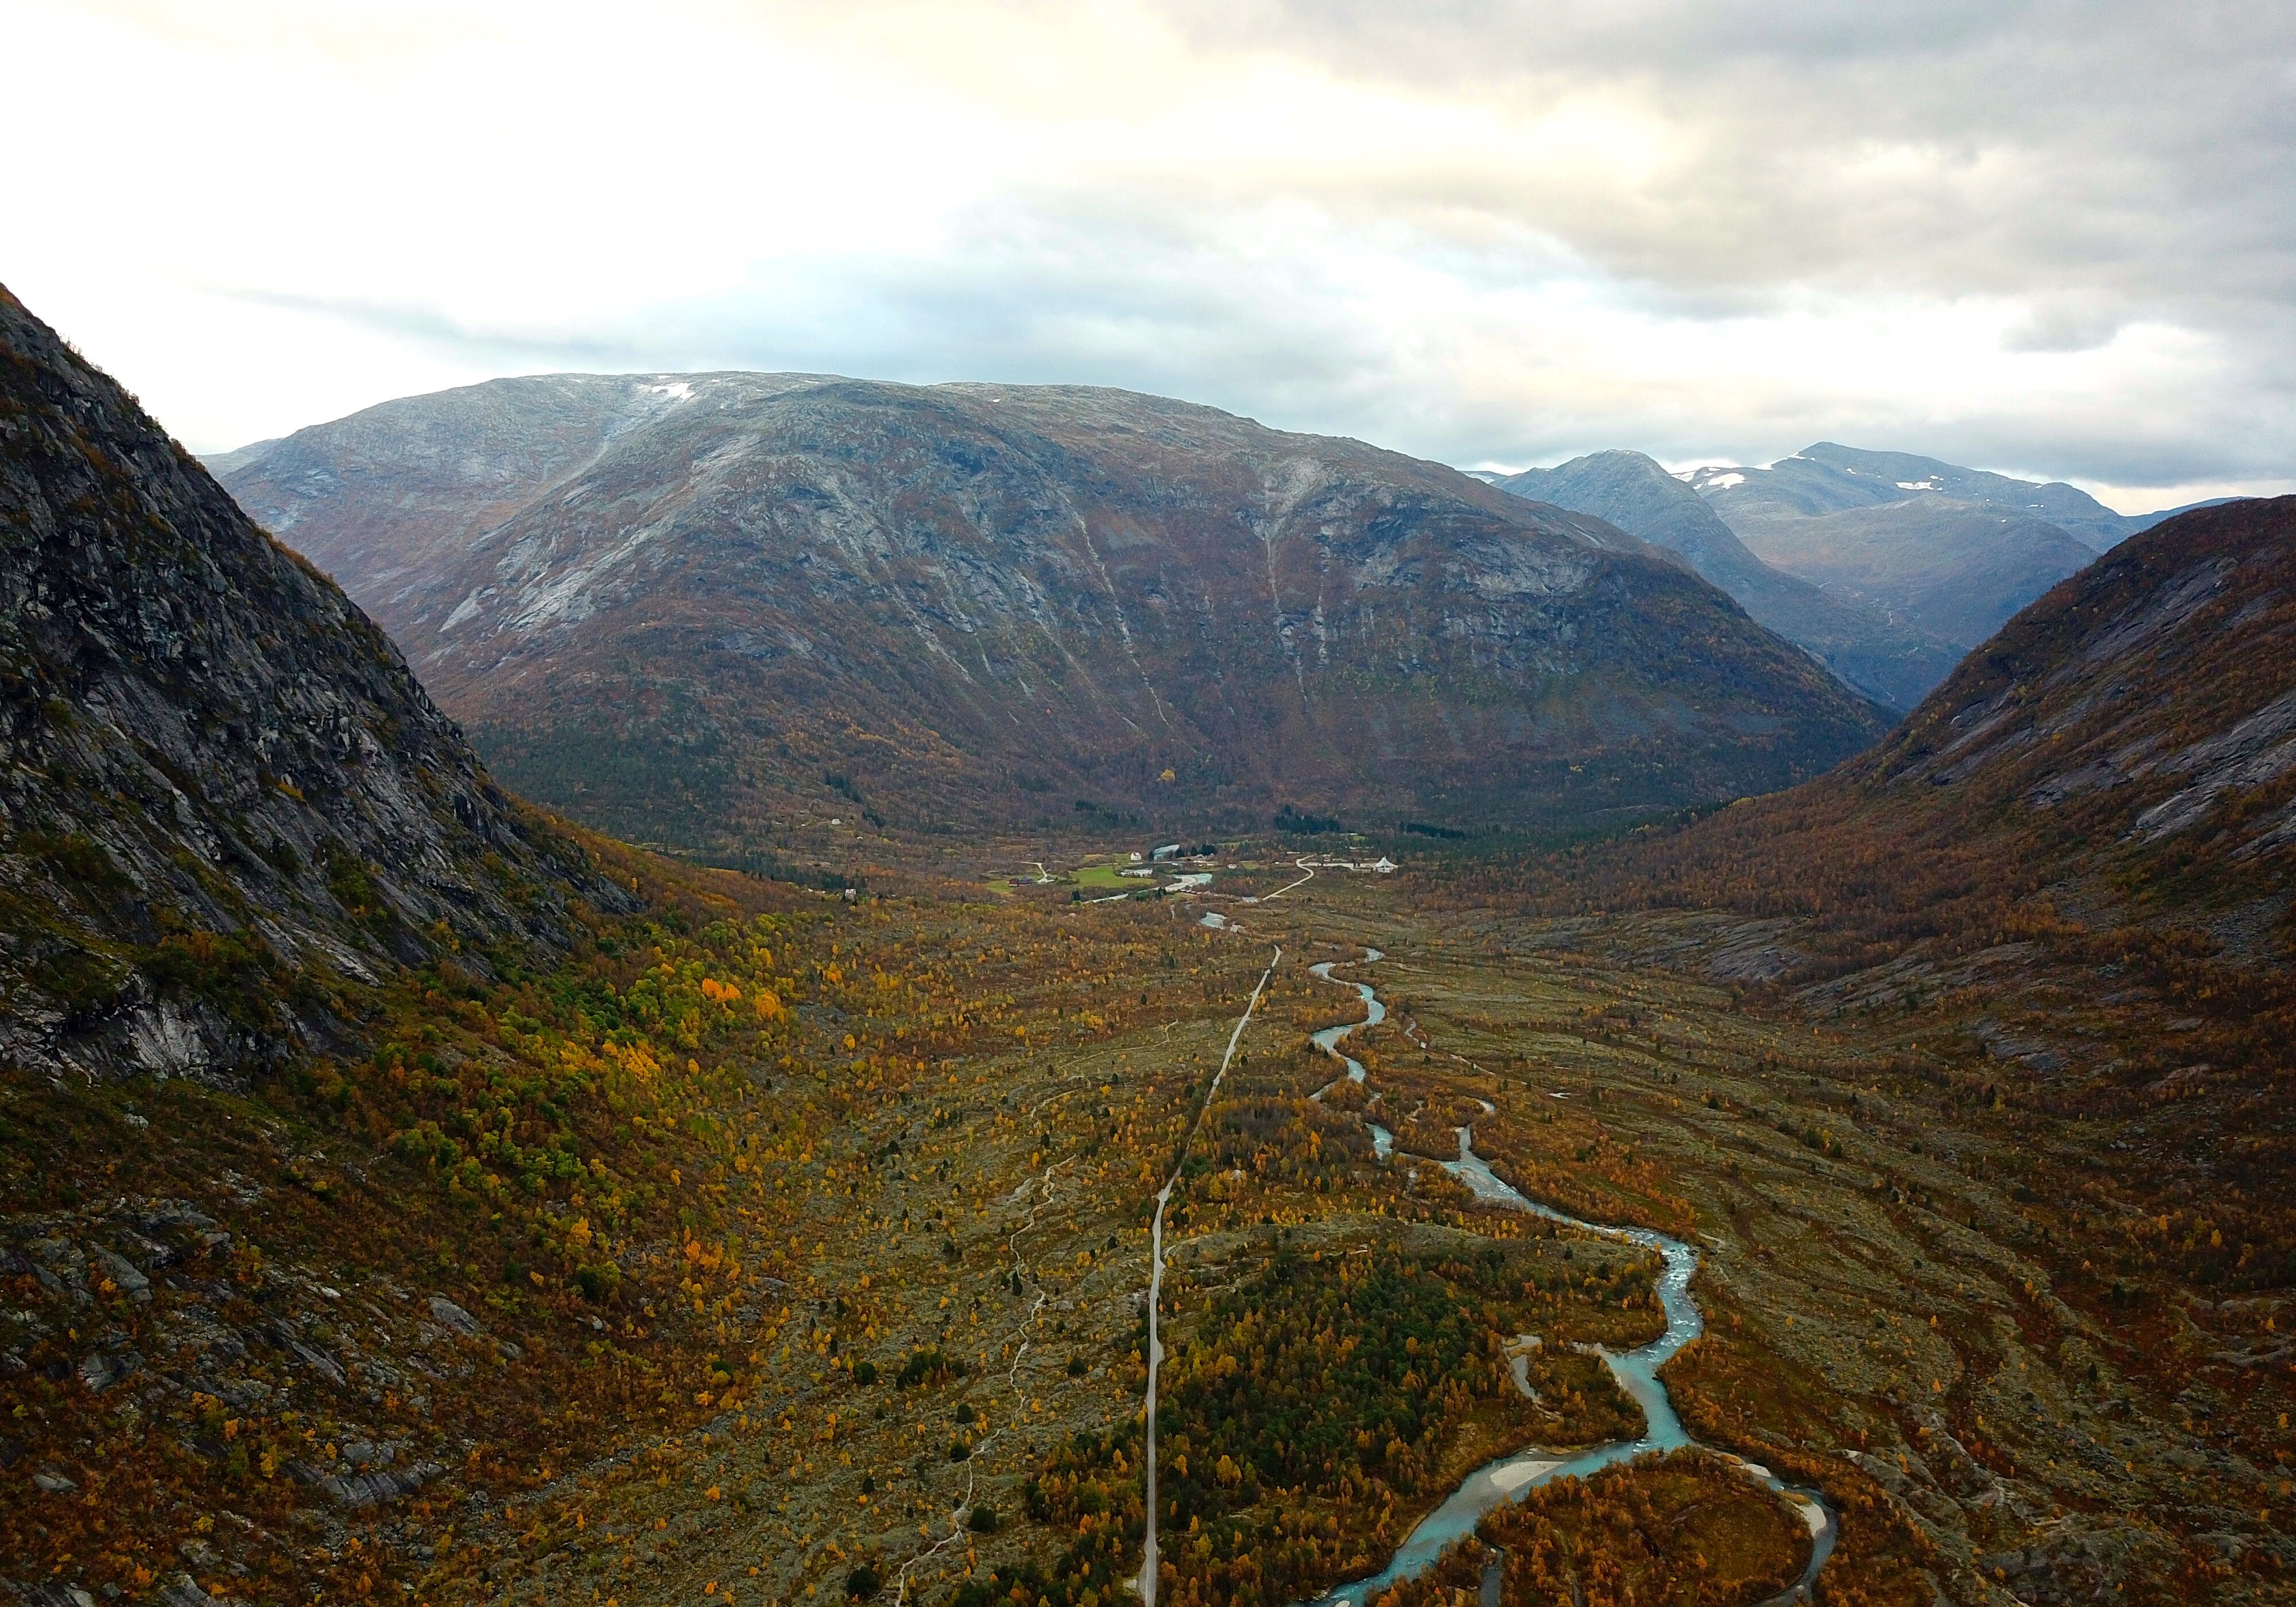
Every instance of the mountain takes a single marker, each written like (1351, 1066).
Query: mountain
(1828, 478)
(2122, 754)
(1946, 551)
(1886, 661)
(1954, 569)
(693, 609)
(226, 797)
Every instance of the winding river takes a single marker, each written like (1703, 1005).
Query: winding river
(1510, 1477)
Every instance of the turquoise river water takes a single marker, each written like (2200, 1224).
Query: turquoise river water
(1510, 1477)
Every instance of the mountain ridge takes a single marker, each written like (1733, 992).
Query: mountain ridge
(1827, 476)
(1947, 551)
(978, 603)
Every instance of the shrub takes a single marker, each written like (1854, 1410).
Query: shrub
(75, 857)
(928, 1367)
(354, 888)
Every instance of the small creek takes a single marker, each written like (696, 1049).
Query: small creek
(1328, 1041)
(1510, 1477)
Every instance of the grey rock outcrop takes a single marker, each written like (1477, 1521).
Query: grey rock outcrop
(448, 1314)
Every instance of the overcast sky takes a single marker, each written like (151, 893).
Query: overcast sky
(2057, 240)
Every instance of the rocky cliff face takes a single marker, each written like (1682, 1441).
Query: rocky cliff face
(1877, 655)
(747, 597)
(225, 798)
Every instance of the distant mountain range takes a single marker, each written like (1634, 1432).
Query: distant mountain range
(1891, 662)
(1950, 551)
(1831, 479)
(1886, 565)
(227, 799)
(687, 608)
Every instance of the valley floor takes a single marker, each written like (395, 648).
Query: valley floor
(1880, 1289)
(912, 1310)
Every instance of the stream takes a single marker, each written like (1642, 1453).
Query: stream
(1382, 1142)
(1510, 1477)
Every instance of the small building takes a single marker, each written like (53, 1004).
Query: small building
(1170, 850)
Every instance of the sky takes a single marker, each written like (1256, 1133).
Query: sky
(2055, 240)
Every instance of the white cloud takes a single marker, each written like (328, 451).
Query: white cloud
(1485, 233)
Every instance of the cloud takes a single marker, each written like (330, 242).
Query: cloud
(2054, 238)
(2074, 322)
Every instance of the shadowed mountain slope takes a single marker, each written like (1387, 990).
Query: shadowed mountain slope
(1954, 569)
(1886, 660)
(686, 609)
(224, 795)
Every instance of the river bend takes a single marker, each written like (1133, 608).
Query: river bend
(1510, 1477)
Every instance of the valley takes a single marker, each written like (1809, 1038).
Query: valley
(1665, 1184)
(921, 1308)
